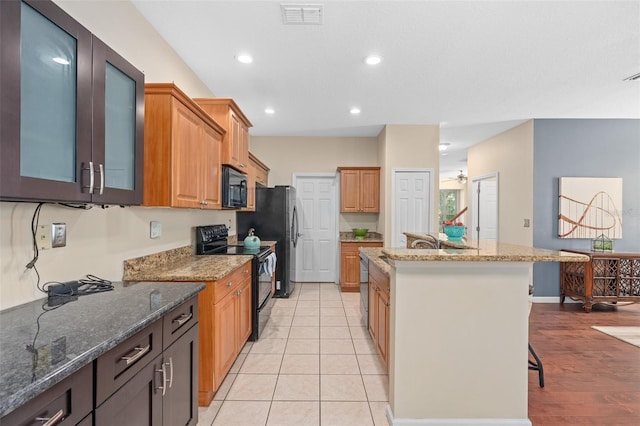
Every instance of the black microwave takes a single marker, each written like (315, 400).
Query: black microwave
(234, 188)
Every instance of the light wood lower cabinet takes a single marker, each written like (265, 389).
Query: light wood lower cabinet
(350, 264)
(225, 326)
(379, 296)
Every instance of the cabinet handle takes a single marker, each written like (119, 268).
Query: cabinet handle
(183, 318)
(50, 421)
(229, 284)
(91, 177)
(163, 370)
(170, 372)
(101, 179)
(239, 292)
(140, 352)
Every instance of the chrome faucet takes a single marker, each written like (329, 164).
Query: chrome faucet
(433, 242)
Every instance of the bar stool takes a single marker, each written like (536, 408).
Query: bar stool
(537, 364)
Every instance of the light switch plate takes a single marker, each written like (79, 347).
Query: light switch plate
(156, 229)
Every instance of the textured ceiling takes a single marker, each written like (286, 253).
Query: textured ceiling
(476, 68)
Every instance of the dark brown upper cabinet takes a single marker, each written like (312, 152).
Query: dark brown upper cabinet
(71, 111)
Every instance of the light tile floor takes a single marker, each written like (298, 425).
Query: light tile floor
(315, 364)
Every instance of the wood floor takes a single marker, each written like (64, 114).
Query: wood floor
(590, 378)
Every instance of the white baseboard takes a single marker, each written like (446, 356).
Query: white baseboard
(553, 299)
(455, 422)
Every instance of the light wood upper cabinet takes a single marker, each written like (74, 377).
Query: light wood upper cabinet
(359, 189)
(257, 173)
(182, 155)
(262, 171)
(235, 142)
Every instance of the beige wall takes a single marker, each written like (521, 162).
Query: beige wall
(288, 155)
(405, 147)
(510, 154)
(98, 240)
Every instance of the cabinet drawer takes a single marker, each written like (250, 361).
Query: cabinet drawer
(70, 401)
(178, 321)
(121, 363)
(224, 286)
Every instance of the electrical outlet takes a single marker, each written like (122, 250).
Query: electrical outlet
(156, 229)
(43, 237)
(58, 235)
(527, 223)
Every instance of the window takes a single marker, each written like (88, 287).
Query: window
(449, 204)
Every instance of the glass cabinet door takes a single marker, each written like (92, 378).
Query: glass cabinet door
(46, 102)
(118, 111)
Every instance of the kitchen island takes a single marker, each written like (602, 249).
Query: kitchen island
(459, 333)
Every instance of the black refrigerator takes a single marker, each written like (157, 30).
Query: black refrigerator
(275, 219)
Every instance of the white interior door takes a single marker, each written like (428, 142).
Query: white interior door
(412, 204)
(484, 204)
(317, 246)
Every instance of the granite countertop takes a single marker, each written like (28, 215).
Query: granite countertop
(182, 265)
(485, 251)
(374, 255)
(371, 237)
(72, 335)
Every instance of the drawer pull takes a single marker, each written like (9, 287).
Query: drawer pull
(183, 318)
(140, 352)
(229, 284)
(50, 421)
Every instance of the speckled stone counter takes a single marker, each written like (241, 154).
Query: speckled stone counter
(181, 265)
(373, 254)
(72, 335)
(371, 237)
(486, 251)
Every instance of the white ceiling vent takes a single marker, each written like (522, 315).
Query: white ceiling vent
(301, 14)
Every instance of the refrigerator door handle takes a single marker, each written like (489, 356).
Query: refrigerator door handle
(294, 227)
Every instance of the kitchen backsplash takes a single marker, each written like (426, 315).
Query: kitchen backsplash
(348, 221)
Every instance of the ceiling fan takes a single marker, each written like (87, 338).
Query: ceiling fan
(461, 178)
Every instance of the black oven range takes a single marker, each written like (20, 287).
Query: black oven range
(212, 240)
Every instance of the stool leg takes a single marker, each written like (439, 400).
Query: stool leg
(536, 365)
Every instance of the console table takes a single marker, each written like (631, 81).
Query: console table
(608, 277)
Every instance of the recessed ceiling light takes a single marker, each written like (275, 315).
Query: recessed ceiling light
(443, 146)
(61, 61)
(244, 58)
(373, 60)
(269, 111)
(355, 111)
